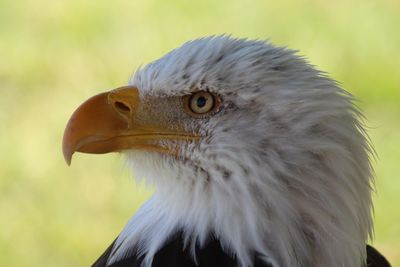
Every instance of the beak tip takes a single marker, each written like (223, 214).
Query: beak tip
(67, 152)
(68, 157)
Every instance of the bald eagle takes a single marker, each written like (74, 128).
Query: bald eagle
(257, 159)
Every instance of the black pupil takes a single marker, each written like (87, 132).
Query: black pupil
(201, 101)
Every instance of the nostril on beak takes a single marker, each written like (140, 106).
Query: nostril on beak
(124, 101)
(122, 107)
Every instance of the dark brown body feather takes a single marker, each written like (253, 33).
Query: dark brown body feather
(173, 254)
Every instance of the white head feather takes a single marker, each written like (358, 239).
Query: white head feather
(284, 172)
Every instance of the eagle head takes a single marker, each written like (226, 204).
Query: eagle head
(241, 140)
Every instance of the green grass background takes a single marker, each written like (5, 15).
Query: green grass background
(55, 54)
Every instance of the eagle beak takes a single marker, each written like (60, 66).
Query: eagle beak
(108, 122)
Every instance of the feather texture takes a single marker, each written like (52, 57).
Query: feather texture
(284, 172)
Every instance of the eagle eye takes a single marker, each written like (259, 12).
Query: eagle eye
(201, 103)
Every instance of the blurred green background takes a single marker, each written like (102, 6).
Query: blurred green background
(55, 54)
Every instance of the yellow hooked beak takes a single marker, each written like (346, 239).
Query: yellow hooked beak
(112, 121)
